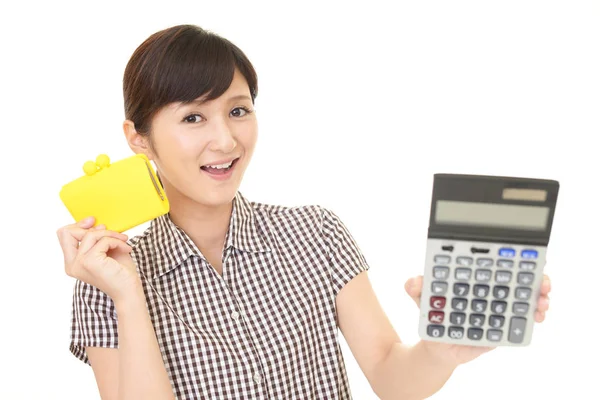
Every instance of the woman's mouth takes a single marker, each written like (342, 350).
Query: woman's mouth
(222, 170)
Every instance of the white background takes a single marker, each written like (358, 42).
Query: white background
(359, 105)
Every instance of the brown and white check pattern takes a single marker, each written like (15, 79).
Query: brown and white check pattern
(265, 329)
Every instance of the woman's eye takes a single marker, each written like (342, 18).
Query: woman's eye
(193, 118)
(239, 111)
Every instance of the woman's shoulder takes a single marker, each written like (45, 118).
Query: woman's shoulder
(305, 214)
(273, 210)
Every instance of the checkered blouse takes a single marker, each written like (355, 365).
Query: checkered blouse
(265, 329)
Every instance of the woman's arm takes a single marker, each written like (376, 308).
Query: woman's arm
(101, 258)
(394, 370)
(136, 370)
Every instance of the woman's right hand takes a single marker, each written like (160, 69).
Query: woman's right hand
(99, 257)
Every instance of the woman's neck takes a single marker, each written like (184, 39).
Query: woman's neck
(207, 226)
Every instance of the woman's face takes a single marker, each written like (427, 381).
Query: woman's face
(202, 150)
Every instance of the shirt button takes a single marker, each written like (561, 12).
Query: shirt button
(235, 315)
(257, 378)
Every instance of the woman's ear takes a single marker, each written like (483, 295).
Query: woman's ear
(137, 142)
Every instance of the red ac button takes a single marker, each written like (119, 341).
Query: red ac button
(436, 317)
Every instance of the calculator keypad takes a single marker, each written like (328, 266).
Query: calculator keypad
(485, 299)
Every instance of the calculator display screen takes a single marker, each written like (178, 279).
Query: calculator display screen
(510, 216)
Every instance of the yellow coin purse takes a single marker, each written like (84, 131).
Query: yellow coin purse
(120, 195)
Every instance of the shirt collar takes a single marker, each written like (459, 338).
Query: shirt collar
(172, 246)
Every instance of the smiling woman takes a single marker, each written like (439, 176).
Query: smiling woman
(223, 297)
(213, 300)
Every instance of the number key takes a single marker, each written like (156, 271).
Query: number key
(496, 321)
(499, 307)
(461, 289)
(501, 292)
(459, 304)
(435, 330)
(481, 291)
(457, 318)
(477, 320)
(479, 305)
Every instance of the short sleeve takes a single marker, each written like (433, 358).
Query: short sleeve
(345, 257)
(93, 320)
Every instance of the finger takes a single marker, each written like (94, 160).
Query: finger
(102, 247)
(93, 236)
(414, 288)
(86, 223)
(540, 316)
(543, 304)
(97, 256)
(546, 286)
(69, 237)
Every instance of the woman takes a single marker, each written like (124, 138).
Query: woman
(224, 298)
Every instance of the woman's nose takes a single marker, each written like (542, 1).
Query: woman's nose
(223, 139)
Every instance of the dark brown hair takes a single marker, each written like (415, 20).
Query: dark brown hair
(180, 64)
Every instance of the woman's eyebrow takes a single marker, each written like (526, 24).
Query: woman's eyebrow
(240, 97)
(199, 102)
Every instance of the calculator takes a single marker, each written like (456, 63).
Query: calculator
(485, 256)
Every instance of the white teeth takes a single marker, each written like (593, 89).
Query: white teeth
(220, 166)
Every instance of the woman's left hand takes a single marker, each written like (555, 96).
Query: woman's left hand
(460, 354)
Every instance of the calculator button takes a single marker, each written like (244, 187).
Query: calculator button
(457, 318)
(520, 308)
(461, 289)
(436, 317)
(464, 261)
(498, 307)
(437, 302)
(475, 333)
(525, 278)
(439, 288)
(516, 332)
(530, 254)
(456, 332)
(479, 305)
(483, 275)
(503, 276)
(441, 273)
(494, 335)
(506, 252)
(435, 330)
(459, 304)
(496, 321)
(442, 259)
(501, 292)
(485, 262)
(522, 293)
(527, 265)
(462, 274)
(477, 320)
(481, 291)
(505, 263)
